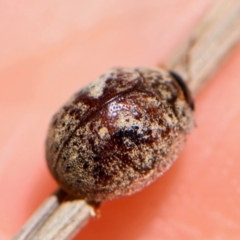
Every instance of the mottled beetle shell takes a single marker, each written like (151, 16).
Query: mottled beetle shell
(119, 134)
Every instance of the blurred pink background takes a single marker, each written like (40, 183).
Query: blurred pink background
(49, 50)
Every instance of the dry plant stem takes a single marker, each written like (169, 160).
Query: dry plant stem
(42, 213)
(73, 215)
(59, 217)
(195, 61)
(207, 46)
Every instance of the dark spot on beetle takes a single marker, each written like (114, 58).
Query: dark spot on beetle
(131, 134)
(160, 121)
(166, 132)
(78, 180)
(155, 84)
(75, 143)
(91, 127)
(96, 158)
(68, 168)
(85, 165)
(91, 141)
(100, 175)
(73, 111)
(137, 115)
(66, 108)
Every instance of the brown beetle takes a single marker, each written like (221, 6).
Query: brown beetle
(120, 133)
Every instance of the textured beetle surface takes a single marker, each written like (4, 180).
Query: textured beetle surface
(118, 134)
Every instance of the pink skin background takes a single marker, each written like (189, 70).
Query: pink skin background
(50, 49)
